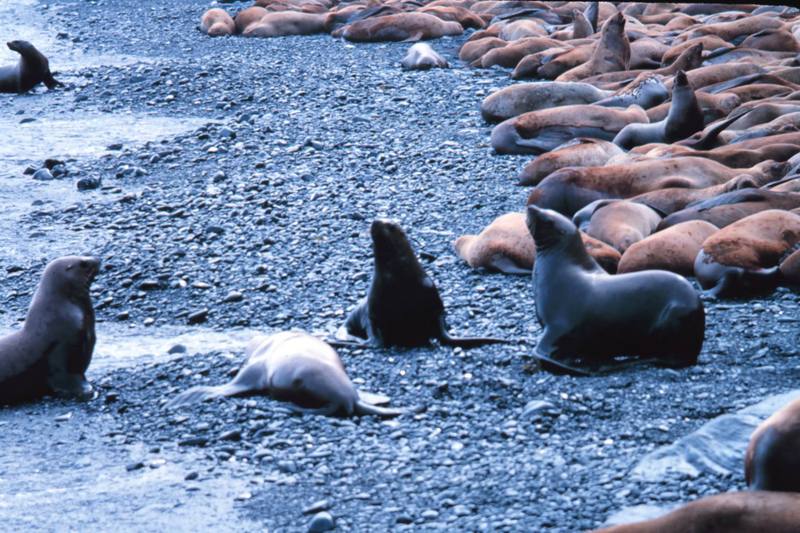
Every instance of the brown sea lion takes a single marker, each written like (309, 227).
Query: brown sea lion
(422, 57)
(729, 207)
(284, 23)
(218, 23)
(739, 512)
(522, 98)
(714, 106)
(403, 307)
(528, 67)
(247, 17)
(295, 367)
(646, 53)
(763, 112)
(590, 317)
(506, 246)
(541, 131)
(743, 257)
(519, 29)
(673, 249)
(690, 59)
(715, 74)
(759, 91)
(401, 27)
(618, 223)
(473, 50)
(508, 56)
(557, 63)
(463, 16)
(790, 268)
(708, 42)
(32, 69)
(52, 351)
(581, 152)
(684, 119)
(612, 52)
(730, 156)
(771, 461)
(738, 28)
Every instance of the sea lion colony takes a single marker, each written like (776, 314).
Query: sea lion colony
(668, 133)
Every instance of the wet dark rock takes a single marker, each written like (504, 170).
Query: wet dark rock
(42, 174)
(320, 522)
(197, 317)
(88, 183)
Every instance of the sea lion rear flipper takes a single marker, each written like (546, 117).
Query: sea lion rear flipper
(413, 37)
(372, 398)
(504, 264)
(709, 140)
(327, 410)
(51, 82)
(365, 408)
(203, 393)
(559, 367)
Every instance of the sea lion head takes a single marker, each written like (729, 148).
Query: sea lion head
(391, 246)
(681, 80)
(71, 275)
(549, 228)
(21, 47)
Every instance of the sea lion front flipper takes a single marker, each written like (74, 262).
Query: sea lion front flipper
(374, 399)
(365, 408)
(71, 385)
(464, 342)
(559, 367)
(51, 82)
(202, 393)
(327, 410)
(414, 37)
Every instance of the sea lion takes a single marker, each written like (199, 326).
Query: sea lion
(618, 223)
(734, 31)
(646, 91)
(31, 69)
(519, 29)
(708, 42)
(729, 207)
(473, 50)
(553, 65)
(739, 512)
(506, 246)
(612, 52)
(403, 307)
(295, 367)
(771, 461)
(52, 351)
(689, 59)
(569, 189)
(790, 268)
(508, 56)
(743, 257)
(285, 23)
(463, 16)
(522, 98)
(589, 317)
(541, 131)
(422, 57)
(684, 119)
(580, 152)
(401, 27)
(247, 17)
(673, 249)
(714, 107)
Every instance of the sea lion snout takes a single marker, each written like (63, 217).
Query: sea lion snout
(681, 79)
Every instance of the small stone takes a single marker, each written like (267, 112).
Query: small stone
(42, 175)
(321, 505)
(193, 441)
(197, 317)
(88, 184)
(227, 133)
(114, 146)
(134, 466)
(219, 176)
(149, 284)
(539, 408)
(234, 435)
(233, 296)
(124, 315)
(177, 348)
(64, 417)
(191, 476)
(322, 521)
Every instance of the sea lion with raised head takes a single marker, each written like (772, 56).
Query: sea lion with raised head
(295, 367)
(590, 317)
(673, 249)
(422, 57)
(739, 512)
(611, 53)
(743, 258)
(771, 461)
(31, 69)
(507, 246)
(541, 131)
(52, 351)
(684, 119)
(403, 306)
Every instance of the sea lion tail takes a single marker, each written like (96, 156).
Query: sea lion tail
(202, 393)
(363, 408)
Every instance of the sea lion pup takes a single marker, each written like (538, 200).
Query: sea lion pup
(580, 152)
(673, 249)
(422, 57)
(646, 91)
(612, 52)
(284, 23)
(522, 98)
(618, 223)
(541, 131)
(218, 23)
(295, 367)
(743, 257)
(590, 317)
(729, 207)
(506, 246)
(31, 69)
(401, 27)
(52, 351)
(684, 119)
(739, 512)
(403, 306)
(771, 461)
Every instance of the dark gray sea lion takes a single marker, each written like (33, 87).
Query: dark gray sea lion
(772, 461)
(648, 91)
(52, 351)
(590, 317)
(32, 69)
(685, 118)
(295, 367)
(403, 307)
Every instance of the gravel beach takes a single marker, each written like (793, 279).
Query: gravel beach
(237, 181)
